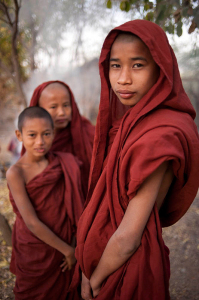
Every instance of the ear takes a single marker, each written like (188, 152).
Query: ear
(19, 135)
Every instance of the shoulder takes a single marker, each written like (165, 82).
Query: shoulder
(14, 173)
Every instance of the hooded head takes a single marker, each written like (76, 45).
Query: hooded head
(129, 50)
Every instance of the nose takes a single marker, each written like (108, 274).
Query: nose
(61, 111)
(125, 76)
(40, 140)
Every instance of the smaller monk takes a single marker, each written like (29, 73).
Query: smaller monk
(47, 199)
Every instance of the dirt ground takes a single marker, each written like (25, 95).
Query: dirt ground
(181, 238)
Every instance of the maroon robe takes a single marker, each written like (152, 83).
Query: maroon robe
(130, 143)
(76, 138)
(57, 199)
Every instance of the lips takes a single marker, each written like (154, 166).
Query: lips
(60, 121)
(40, 150)
(125, 94)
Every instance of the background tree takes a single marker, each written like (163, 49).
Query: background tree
(11, 52)
(169, 14)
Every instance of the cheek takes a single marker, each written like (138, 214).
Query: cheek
(112, 79)
(68, 112)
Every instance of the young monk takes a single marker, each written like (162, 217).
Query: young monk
(46, 198)
(144, 170)
(73, 132)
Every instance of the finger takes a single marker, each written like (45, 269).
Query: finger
(86, 292)
(64, 268)
(86, 296)
(63, 264)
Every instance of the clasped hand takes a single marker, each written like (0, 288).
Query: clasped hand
(69, 259)
(89, 290)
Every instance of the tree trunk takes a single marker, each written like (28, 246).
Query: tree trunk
(5, 230)
(15, 59)
(17, 77)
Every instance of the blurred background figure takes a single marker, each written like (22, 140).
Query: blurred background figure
(15, 148)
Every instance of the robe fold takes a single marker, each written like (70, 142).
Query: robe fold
(57, 199)
(130, 143)
(76, 138)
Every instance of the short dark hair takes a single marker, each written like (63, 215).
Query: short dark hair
(32, 113)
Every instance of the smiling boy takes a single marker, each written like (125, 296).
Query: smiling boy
(46, 197)
(145, 167)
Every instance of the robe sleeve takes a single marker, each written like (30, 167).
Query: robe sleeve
(146, 154)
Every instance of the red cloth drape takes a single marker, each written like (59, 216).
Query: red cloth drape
(56, 197)
(158, 128)
(76, 138)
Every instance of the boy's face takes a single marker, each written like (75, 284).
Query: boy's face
(37, 136)
(132, 70)
(56, 100)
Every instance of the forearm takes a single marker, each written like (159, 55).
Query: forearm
(113, 257)
(41, 231)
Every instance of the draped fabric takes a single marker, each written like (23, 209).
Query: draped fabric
(76, 138)
(56, 197)
(129, 144)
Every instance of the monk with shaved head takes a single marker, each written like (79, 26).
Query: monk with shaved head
(45, 192)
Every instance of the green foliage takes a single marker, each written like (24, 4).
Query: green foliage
(109, 4)
(170, 15)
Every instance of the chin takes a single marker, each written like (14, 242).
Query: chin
(129, 102)
(61, 127)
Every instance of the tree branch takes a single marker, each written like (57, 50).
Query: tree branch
(5, 9)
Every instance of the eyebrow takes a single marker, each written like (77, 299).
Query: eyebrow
(33, 131)
(133, 58)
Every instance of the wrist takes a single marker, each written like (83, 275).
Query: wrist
(94, 282)
(67, 249)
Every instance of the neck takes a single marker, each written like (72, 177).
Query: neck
(30, 159)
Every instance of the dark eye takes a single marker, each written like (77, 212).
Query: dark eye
(137, 66)
(53, 107)
(32, 135)
(115, 66)
(66, 105)
(47, 133)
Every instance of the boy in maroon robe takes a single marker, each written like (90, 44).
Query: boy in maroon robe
(73, 132)
(144, 170)
(47, 200)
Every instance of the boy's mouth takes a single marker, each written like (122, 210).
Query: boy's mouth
(40, 150)
(125, 94)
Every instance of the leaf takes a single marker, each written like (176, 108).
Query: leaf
(179, 29)
(196, 15)
(149, 16)
(109, 4)
(161, 14)
(146, 6)
(150, 4)
(127, 6)
(169, 28)
(133, 1)
(177, 15)
(123, 5)
(192, 27)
